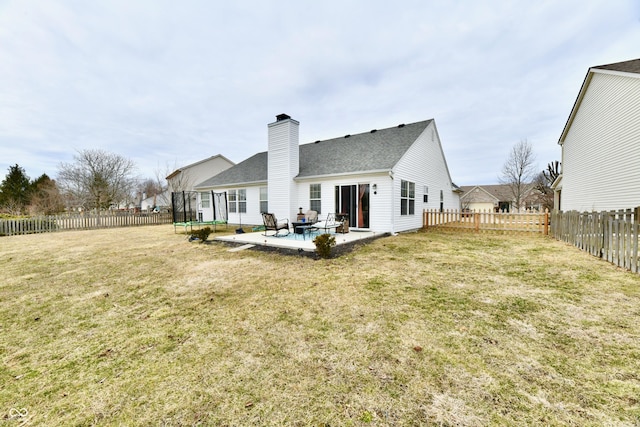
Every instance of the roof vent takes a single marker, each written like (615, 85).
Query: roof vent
(374, 130)
(281, 117)
(316, 141)
(401, 125)
(347, 136)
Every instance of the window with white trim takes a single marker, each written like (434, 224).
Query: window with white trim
(205, 199)
(233, 201)
(264, 200)
(238, 201)
(407, 198)
(242, 201)
(315, 197)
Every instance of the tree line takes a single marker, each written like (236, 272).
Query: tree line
(94, 180)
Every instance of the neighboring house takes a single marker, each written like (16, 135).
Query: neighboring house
(186, 177)
(495, 198)
(601, 142)
(161, 201)
(382, 179)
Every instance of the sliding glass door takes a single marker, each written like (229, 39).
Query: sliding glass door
(354, 201)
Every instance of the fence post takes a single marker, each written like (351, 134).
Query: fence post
(546, 222)
(476, 221)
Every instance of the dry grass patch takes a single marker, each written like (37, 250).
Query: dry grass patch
(138, 326)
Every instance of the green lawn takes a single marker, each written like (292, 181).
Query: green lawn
(137, 326)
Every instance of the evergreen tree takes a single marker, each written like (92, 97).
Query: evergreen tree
(45, 197)
(15, 189)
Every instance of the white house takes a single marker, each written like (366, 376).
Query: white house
(160, 201)
(183, 180)
(496, 197)
(601, 142)
(186, 177)
(382, 179)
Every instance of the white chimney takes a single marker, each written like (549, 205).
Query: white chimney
(283, 166)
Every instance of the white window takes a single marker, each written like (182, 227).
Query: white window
(238, 201)
(407, 198)
(233, 201)
(315, 196)
(205, 200)
(264, 200)
(242, 201)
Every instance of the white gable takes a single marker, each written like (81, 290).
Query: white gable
(601, 145)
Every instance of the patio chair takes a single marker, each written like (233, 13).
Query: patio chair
(311, 217)
(327, 224)
(272, 223)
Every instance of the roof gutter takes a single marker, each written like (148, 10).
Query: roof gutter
(371, 172)
(232, 184)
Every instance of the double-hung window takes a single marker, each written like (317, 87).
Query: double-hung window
(407, 198)
(315, 198)
(233, 201)
(205, 199)
(242, 201)
(238, 201)
(264, 200)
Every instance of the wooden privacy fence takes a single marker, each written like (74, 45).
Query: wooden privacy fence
(87, 221)
(609, 235)
(488, 221)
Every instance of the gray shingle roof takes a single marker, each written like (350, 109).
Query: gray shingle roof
(254, 169)
(632, 66)
(364, 152)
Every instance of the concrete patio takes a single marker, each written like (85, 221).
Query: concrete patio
(294, 241)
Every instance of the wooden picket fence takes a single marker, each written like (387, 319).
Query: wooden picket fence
(86, 221)
(488, 221)
(609, 235)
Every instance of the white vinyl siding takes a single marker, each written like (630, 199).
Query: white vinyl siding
(600, 155)
(425, 165)
(283, 166)
(251, 204)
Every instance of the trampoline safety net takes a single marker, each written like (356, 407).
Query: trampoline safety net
(184, 204)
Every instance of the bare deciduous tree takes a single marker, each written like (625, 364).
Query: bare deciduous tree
(519, 172)
(97, 179)
(543, 182)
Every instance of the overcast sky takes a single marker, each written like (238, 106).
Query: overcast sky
(169, 83)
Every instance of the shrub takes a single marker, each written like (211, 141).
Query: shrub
(324, 243)
(200, 235)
